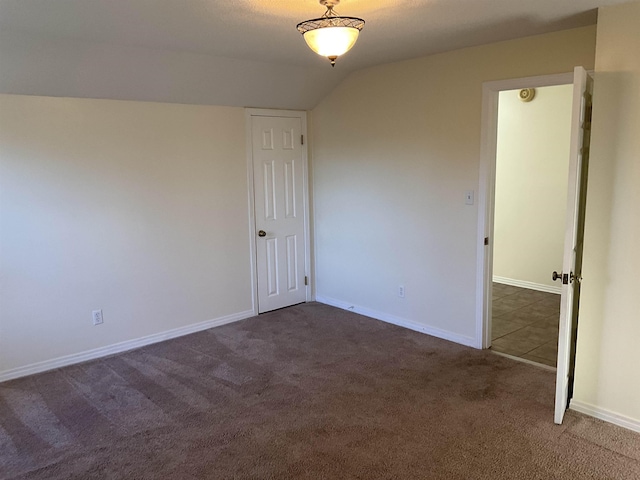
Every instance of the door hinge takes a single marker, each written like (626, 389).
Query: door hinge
(486, 240)
(588, 114)
(306, 280)
(301, 139)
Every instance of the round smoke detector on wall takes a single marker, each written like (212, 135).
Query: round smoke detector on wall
(527, 94)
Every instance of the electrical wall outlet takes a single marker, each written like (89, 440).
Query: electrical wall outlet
(96, 315)
(401, 291)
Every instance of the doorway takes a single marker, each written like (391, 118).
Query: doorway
(279, 208)
(532, 164)
(570, 276)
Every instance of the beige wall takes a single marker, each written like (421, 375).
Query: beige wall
(395, 149)
(532, 164)
(608, 351)
(139, 209)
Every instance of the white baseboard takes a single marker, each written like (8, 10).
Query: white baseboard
(606, 415)
(401, 322)
(530, 285)
(120, 347)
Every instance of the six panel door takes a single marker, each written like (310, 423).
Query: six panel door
(279, 211)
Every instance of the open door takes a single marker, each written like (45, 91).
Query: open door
(574, 235)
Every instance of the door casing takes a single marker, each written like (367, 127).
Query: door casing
(259, 112)
(486, 191)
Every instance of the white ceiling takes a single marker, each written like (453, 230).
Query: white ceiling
(264, 30)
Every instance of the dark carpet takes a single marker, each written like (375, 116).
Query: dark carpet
(305, 392)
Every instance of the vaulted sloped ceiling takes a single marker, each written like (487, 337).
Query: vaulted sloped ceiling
(240, 52)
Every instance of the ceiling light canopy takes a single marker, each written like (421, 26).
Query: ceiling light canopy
(331, 35)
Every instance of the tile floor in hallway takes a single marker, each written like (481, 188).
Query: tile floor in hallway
(525, 323)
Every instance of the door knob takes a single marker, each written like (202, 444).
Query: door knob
(262, 233)
(556, 276)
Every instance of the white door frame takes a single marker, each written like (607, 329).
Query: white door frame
(302, 115)
(486, 190)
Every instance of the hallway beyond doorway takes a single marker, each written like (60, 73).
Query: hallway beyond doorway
(525, 323)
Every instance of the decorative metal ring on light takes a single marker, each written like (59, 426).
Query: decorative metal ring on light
(331, 35)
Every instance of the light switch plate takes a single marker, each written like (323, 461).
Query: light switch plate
(469, 197)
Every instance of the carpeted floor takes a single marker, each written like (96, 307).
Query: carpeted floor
(306, 392)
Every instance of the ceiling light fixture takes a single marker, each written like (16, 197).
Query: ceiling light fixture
(331, 35)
